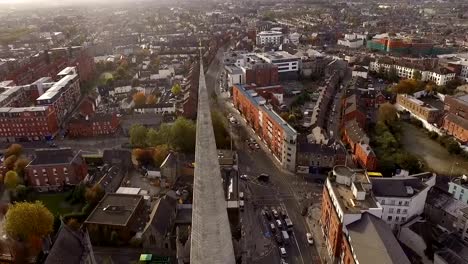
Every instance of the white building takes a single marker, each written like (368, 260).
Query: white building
(439, 76)
(161, 108)
(235, 75)
(459, 188)
(351, 43)
(285, 61)
(402, 197)
(269, 37)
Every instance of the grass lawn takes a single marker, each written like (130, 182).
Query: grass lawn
(56, 203)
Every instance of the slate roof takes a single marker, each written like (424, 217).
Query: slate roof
(372, 239)
(457, 120)
(53, 156)
(355, 132)
(396, 187)
(69, 247)
(162, 217)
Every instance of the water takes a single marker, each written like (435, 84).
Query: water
(437, 158)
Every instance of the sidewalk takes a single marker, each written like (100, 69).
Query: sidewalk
(312, 220)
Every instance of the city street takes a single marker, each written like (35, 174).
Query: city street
(284, 190)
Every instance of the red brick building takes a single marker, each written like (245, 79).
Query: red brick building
(350, 222)
(354, 110)
(264, 74)
(278, 136)
(95, 125)
(362, 152)
(51, 169)
(456, 126)
(31, 123)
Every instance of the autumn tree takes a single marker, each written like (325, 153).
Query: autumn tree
(143, 156)
(14, 149)
(139, 99)
(20, 165)
(160, 153)
(151, 99)
(408, 86)
(387, 114)
(9, 162)
(24, 220)
(94, 194)
(138, 135)
(11, 180)
(176, 89)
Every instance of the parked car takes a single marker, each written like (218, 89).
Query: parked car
(288, 223)
(272, 227)
(282, 252)
(310, 239)
(241, 195)
(264, 177)
(279, 224)
(257, 146)
(275, 213)
(244, 177)
(267, 213)
(241, 205)
(279, 239)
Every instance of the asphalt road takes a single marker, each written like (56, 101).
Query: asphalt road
(284, 190)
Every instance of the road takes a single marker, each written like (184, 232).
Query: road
(285, 190)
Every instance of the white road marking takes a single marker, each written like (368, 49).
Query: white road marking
(294, 235)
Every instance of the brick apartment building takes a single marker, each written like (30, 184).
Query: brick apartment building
(455, 122)
(51, 169)
(351, 224)
(268, 125)
(94, 125)
(419, 108)
(52, 100)
(354, 109)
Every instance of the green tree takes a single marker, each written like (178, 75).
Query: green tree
(176, 89)
(417, 75)
(183, 135)
(24, 220)
(11, 180)
(138, 135)
(387, 114)
(160, 154)
(152, 138)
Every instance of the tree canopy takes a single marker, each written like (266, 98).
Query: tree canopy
(24, 220)
(151, 99)
(417, 75)
(176, 89)
(408, 86)
(139, 99)
(387, 113)
(11, 180)
(138, 135)
(221, 134)
(14, 149)
(160, 153)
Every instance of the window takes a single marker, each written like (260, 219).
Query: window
(397, 218)
(382, 202)
(405, 211)
(398, 211)
(406, 203)
(390, 210)
(403, 219)
(460, 196)
(462, 190)
(392, 202)
(400, 202)
(389, 218)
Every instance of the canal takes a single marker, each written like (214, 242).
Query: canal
(436, 157)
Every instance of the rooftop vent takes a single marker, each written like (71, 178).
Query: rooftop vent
(409, 190)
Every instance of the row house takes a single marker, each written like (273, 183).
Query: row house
(419, 108)
(275, 132)
(359, 142)
(52, 169)
(438, 75)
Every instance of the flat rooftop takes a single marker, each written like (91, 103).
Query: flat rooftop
(278, 55)
(348, 202)
(115, 209)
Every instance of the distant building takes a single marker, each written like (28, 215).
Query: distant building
(262, 74)
(458, 187)
(269, 37)
(455, 122)
(314, 156)
(159, 108)
(157, 232)
(52, 169)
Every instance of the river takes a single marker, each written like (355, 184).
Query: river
(438, 159)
